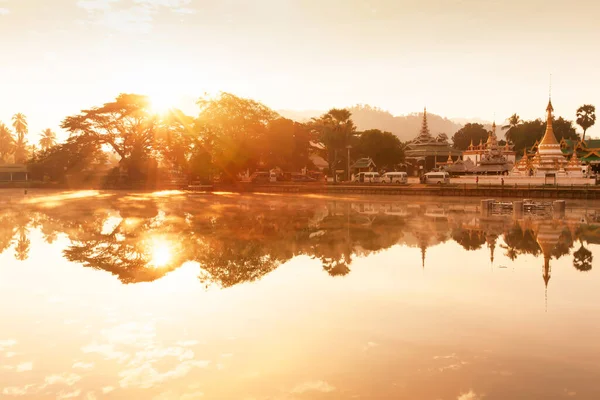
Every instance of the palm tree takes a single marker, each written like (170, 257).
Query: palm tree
(20, 125)
(7, 142)
(23, 245)
(513, 122)
(335, 131)
(48, 139)
(32, 151)
(586, 117)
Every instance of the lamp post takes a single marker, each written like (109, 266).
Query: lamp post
(348, 167)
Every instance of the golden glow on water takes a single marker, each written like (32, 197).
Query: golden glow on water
(161, 252)
(55, 199)
(254, 297)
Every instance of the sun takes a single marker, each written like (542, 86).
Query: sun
(162, 103)
(161, 253)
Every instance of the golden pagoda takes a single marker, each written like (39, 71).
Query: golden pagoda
(549, 157)
(523, 166)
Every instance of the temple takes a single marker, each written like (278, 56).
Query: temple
(496, 159)
(423, 152)
(548, 158)
(488, 159)
(476, 153)
(587, 151)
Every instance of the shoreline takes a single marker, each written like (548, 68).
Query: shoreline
(482, 190)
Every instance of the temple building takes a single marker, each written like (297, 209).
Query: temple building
(476, 153)
(587, 151)
(549, 158)
(424, 152)
(497, 159)
(488, 159)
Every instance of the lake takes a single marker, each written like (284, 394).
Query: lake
(171, 295)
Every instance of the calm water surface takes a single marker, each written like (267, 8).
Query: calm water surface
(173, 296)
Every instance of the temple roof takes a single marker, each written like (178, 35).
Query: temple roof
(424, 135)
(440, 150)
(363, 163)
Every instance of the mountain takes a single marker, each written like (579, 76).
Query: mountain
(406, 127)
(300, 116)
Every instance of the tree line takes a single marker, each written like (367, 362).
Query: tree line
(228, 137)
(124, 141)
(14, 145)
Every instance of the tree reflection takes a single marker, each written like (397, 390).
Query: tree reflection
(140, 238)
(582, 259)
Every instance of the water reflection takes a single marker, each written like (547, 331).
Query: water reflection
(140, 238)
(349, 299)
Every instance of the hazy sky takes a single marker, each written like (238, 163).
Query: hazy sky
(461, 58)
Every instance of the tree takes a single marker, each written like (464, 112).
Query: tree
(469, 133)
(383, 147)
(127, 125)
(20, 125)
(233, 129)
(286, 144)
(334, 130)
(47, 139)
(513, 123)
(78, 158)
(7, 142)
(174, 140)
(586, 117)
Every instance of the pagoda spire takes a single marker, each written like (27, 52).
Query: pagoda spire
(546, 279)
(549, 137)
(424, 127)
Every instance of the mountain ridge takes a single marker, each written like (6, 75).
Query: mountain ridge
(405, 127)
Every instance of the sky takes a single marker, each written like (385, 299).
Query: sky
(481, 59)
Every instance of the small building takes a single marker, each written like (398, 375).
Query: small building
(363, 165)
(13, 173)
(587, 151)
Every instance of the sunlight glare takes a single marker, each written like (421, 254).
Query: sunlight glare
(162, 103)
(160, 252)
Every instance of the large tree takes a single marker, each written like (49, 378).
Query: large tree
(7, 142)
(384, 148)
(470, 133)
(47, 139)
(233, 128)
(513, 123)
(334, 131)
(21, 129)
(76, 160)
(175, 140)
(127, 125)
(586, 117)
(286, 145)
